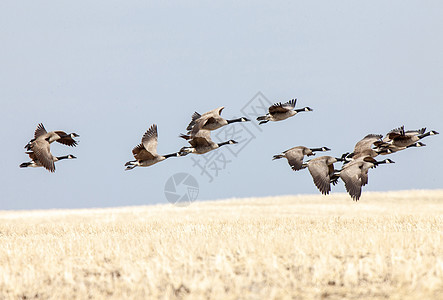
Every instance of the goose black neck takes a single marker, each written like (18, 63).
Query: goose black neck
(302, 109)
(62, 157)
(382, 162)
(316, 149)
(170, 155)
(235, 120)
(222, 144)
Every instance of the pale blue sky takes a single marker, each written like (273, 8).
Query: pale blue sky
(107, 70)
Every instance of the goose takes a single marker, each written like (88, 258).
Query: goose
(355, 174)
(281, 111)
(52, 136)
(322, 171)
(145, 153)
(201, 143)
(35, 163)
(210, 120)
(401, 139)
(388, 149)
(295, 155)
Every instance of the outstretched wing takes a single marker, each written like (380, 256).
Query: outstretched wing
(199, 123)
(366, 142)
(150, 139)
(194, 117)
(396, 132)
(40, 130)
(320, 174)
(202, 139)
(351, 176)
(416, 132)
(282, 107)
(42, 153)
(295, 158)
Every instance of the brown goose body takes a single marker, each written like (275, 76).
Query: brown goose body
(281, 111)
(201, 143)
(145, 153)
(211, 120)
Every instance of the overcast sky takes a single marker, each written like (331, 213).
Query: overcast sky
(107, 70)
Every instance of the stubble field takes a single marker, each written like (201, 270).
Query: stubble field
(387, 245)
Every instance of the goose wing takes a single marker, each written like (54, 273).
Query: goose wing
(215, 112)
(282, 107)
(194, 117)
(31, 155)
(366, 142)
(150, 140)
(396, 132)
(202, 139)
(295, 158)
(416, 132)
(320, 174)
(140, 153)
(351, 175)
(40, 130)
(199, 123)
(42, 153)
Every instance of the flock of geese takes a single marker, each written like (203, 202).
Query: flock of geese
(354, 172)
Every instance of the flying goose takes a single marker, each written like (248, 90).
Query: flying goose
(40, 145)
(322, 170)
(399, 139)
(388, 149)
(35, 163)
(201, 143)
(295, 155)
(281, 111)
(53, 136)
(355, 174)
(210, 120)
(145, 153)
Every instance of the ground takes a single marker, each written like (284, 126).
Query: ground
(387, 245)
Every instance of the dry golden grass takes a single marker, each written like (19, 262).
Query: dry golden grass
(388, 245)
